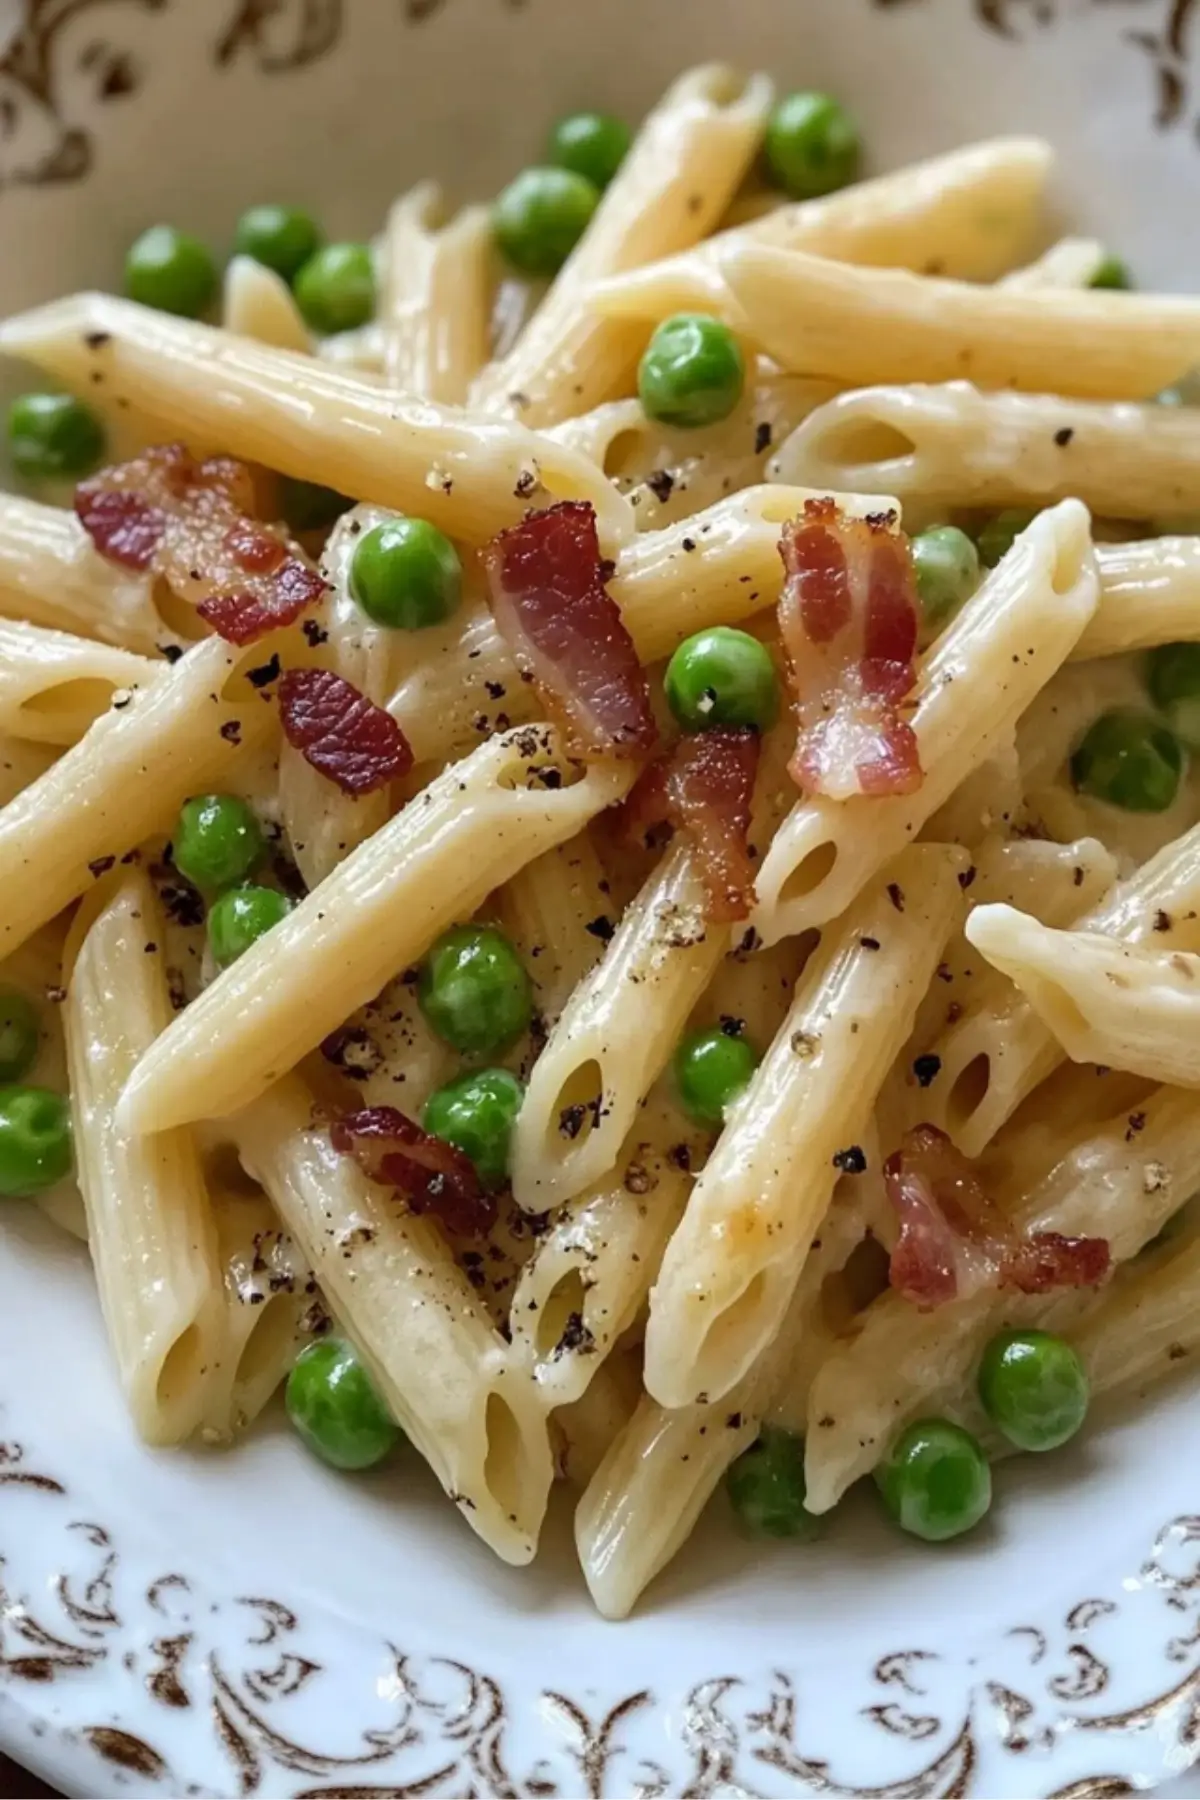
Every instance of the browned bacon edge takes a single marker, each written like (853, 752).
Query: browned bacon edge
(705, 786)
(433, 1176)
(955, 1242)
(342, 734)
(566, 633)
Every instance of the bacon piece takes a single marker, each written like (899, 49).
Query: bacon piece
(955, 1242)
(433, 1176)
(566, 632)
(192, 524)
(705, 786)
(345, 736)
(849, 618)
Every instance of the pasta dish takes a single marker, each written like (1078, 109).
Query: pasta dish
(600, 843)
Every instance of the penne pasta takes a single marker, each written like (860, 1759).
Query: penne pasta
(672, 188)
(51, 575)
(54, 687)
(1071, 263)
(972, 687)
(558, 913)
(310, 419)
(394, 1287)
(257, 303)
(436, 303)
(957, 446)
(1149, 594)
(151, 1233)
(21, 764)
(861, 326)
(379, 910)
(1146, 1325)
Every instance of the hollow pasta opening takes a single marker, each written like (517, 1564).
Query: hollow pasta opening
(622, 450)
(565, 1300)
(809, 873)
(1070, 555)
(502, 1463)
(267, 1352)
(862, 441)
(178, 615)
(575, 1112)
(969, 1091)
(737, 1328)
(180, 1369)
(69, 705)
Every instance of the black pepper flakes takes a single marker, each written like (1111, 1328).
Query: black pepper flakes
(927, 1069)
(689, 544)
(231, 731)
(1162, 920)
(1137, 1124)
(314, 633)
(100, 866)
(967, 878)
(1063, 438)
(762, 437)
(895, 894)
(851, 1161)
(172, 652)
(601, 927)
(869, 943)
(96, 340)
(265, 674)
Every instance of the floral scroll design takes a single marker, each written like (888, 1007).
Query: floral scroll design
(279, 1703)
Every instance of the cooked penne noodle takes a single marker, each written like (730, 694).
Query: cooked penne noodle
(21, 764)
(125, 780)
(672, 188)
(956, 446)
(151, 1232)
(973, 685)
(1071, 263)
(436, 303)
(1122, 1183)
(52, 575)
(53, 686)
(392, 1284)
(861, 326)
(1146, 1325)
(310, 419)
(379, 910)
(587, 1426)
(257, 303)
(731, 1268)
(558, 912)
(361, 349)
(1149, 594)
(971, 214)
(1125, 1006)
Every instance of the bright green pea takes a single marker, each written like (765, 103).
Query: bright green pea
(1034, 1388)
(947, 565)
(1112, 273)
(1173, 677)
(240, 917)
(171, 270)
(590, 144)
(935, 1481)
(476, 1114)
(722, 677)
(541, 216)
(1001, 533)
(335, 289)
(766, 1486)
(52, 436)
(1130, 760)
(693, 372)
(474, 990)
(20, 1034)
(406, 574)
(307, 506)
(712, 1068)
(813, 146)
(35, 1140)
(218, 842)
(336, 1408)
(280, 237)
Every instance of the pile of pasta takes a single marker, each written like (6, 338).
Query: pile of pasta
(983, 950)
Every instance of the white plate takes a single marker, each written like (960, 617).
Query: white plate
(250, 1623)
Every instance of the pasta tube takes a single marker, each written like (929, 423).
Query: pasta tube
(53, 687)
(436, 303)
(52, 575)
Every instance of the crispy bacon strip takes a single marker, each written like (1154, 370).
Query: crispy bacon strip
(433, 1176)
(955, 1242)
(566, 632)
(345, 736)
(705, 786)
(848, 618)
(192, 523)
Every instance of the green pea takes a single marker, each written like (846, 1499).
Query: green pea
(35, 1140)
(336, 1408)
(813, 146)
(281, 237)
(474, 990)
(52, 436)
(1001, 533)
(307, 506)
(1130, 760)
(20, 1034)
(476, 1114)
(335, 290)
(590, 144)
(171, 270)
(1112, 273)
(406, 574)
(541, 216)
(218, 842)
(1034, 1388)
(947, 565)
(766, 1486)
(693, 372)
(712, 1068)
(722, 677)
(240, 917)
(1173, 677)
(935, 1482)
